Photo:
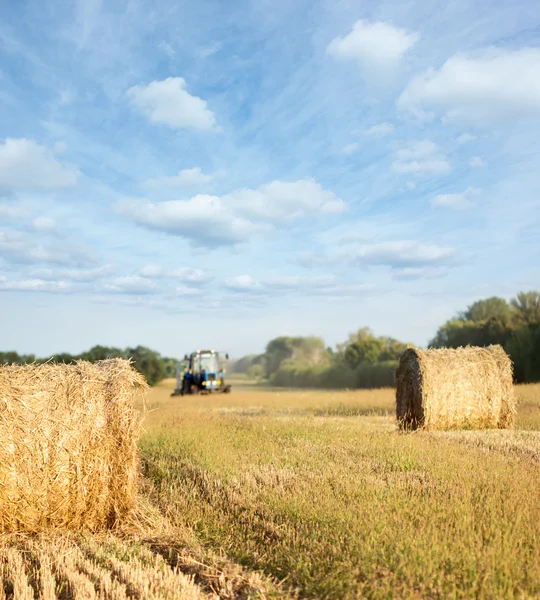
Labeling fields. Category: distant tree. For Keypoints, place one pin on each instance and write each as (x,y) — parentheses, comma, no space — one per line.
(278,350)
(256,372)
(147,362)
(10,358)
(526,306)
(490,308)
(102,353)
(366,351)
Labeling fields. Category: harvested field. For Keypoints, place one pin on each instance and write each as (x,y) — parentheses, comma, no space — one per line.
(314,494)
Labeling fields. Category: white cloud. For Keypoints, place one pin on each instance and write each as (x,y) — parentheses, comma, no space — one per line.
(239,214)
(190,219)
(43,224)
(167,48)
(243,283)
(185,178)
(33,285)
(433,167)
(186,275)
(421,149)
(492,86)
(350,149)
(464,138)
(132,284)
(8,211)
(476,161)
(168,103)
(23,248)
(77,275)
(460,201)
(279,201)
(328,285)
(186,290)
(378,47)
(402,254)
(411,273)
(26,165)
(411,185)
(422,158)
(380,130)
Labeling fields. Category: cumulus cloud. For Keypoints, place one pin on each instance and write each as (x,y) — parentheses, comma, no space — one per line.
(187,291)
(23,248)
(33,285)
(402,254)
(75,275)
(412,273)
(132,284)
(243,283)
(191,219)
(476,161)
(328,285)
(488,87)
(8,211)
(240,214)
(460,201)
(378,47)
(380,130)
(26,165)
(43,224)
(185,178)
(169,103)
(281,202)
(186,275)
(421,157)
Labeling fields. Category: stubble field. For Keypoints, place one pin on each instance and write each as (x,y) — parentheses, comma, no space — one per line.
(308,494)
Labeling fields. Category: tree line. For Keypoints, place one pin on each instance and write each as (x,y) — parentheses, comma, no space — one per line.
(365,360)
(150,363)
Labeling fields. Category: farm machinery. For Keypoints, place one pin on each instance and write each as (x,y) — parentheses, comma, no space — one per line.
(201,373)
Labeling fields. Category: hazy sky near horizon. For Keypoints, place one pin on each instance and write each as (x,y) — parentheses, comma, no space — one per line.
(193,174)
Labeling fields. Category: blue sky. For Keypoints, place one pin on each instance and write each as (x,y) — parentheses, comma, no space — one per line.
(183,174)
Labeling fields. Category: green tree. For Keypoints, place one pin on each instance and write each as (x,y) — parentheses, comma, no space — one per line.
(148,362)
(102,353)
(526,306)
(490,308)
(366,351)
(277,350)
(256,372)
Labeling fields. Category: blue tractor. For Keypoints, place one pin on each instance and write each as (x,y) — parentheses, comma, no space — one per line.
(201,373)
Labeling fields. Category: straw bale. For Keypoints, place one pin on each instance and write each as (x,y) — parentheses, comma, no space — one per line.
(463,388)
(68,445)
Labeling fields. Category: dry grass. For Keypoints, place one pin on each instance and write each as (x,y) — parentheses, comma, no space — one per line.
(68,445)
(320,491)
(455,389)
(83,568)
(266,493)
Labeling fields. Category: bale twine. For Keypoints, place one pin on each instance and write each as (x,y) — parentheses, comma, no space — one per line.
(459,388)
(68,445)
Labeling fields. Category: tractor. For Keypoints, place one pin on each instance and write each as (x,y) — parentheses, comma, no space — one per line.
(201,373)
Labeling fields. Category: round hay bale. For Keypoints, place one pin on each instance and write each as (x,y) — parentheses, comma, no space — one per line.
(68,445)
(461,388)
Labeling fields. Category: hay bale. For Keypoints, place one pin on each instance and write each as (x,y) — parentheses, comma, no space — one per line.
(459,388)
(68,445)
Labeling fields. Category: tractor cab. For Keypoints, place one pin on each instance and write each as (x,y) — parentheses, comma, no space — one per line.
(201,372)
